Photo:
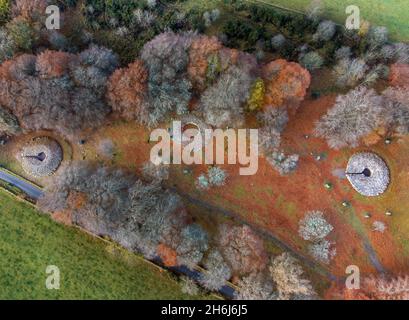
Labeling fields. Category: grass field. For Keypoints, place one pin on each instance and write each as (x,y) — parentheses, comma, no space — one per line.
(393,14)
(90,268)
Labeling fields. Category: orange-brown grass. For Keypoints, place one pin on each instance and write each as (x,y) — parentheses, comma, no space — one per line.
(276,203)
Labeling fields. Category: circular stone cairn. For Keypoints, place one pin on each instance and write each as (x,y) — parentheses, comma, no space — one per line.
(41,157)
(191,122)
(368,174)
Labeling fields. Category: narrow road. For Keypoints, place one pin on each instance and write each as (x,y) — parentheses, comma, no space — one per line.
(36,192)
(28,188)
(265,234)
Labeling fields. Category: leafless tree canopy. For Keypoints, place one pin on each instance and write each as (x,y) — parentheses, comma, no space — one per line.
(56,90)
(353,116)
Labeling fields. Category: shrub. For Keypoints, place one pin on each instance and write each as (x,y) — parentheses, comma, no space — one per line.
(283,163)
(53,64)
(322,251)
(314,227)
(401,52)
(102,58)
(202,182)
(217,176)
(151,3)
(325,31)
(312,60)
(106,148)
(143,18)
(399,75)
(256,99)
(276,118)
(378,226)
(58,41)
(269,139)
(211,16)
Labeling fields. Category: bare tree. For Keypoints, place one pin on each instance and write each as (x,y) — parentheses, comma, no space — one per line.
(274,121)
(353,116)
(169,89)
(255,287)
(153,172)
(223,103)
(217,271)
(397,109)
(193,243)
(287,276)
(242,249)
(56,90)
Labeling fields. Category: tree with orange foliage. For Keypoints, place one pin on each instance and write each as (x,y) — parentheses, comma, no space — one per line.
(53,64)
(126,91)
(29,9)
(286,83)
(202,58)
(168,255)
(399,75)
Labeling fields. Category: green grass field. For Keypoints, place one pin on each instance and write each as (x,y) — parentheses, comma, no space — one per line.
(393,14)
(90,268)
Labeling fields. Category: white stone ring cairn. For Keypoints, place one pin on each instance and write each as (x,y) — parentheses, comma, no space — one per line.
(179,133)
(41,157)
(368,174)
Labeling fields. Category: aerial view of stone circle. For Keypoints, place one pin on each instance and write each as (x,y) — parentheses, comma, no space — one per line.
(218,150)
